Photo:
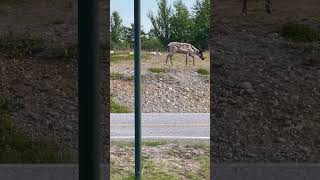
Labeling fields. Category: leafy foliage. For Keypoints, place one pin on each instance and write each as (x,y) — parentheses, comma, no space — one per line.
(115,107)
(201,24)
(162,22)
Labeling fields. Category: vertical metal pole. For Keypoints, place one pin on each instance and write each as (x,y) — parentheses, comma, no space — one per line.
(88,90)
(137,86)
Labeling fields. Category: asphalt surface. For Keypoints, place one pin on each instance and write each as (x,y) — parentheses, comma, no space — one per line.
(162,126)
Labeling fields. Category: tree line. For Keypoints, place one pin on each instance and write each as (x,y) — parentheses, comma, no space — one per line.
(169,23)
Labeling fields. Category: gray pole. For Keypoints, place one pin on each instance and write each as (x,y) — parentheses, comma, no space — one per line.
(137,86)
(89,155)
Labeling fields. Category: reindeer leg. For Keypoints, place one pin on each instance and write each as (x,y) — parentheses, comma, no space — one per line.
(171,59)
(193,60)
(186,59)
(167,58)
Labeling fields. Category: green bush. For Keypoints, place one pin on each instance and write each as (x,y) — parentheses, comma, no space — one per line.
(158,70)
(151,44)
(299,33)
(116,76)
(203,71)
(115,107)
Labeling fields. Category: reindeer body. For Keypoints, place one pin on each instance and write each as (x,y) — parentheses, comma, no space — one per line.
(268,7)
(183,48)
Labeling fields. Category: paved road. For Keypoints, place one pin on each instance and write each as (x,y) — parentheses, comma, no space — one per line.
(162,126)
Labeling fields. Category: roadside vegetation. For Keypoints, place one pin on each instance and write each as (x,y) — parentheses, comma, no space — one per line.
(203,72)
(115,107)
(158,70)
(17,148)
(190,160)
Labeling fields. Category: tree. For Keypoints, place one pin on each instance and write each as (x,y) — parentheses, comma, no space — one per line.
(181,23)
(201,24)
(116,29)
(161,22)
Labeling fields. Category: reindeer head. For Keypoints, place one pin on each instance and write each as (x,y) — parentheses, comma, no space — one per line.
(200,54)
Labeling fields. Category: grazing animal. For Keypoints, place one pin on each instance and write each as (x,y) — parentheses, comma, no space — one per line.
(183,48)
(267,6)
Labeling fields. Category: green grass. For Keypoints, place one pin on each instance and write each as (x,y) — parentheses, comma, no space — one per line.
(157,170)
(205,166)
(299,33)
(153,143)
(17,45)
(117,108)
(116,76)
(118,57)
(203,71)
(17,148)
(158,70)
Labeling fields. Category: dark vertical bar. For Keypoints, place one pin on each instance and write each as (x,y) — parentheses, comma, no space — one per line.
(137,91)
(88,90)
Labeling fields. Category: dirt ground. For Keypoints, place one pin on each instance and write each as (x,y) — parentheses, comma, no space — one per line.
(265,99)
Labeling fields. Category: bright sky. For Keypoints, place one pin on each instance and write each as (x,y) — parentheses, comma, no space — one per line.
(125,9)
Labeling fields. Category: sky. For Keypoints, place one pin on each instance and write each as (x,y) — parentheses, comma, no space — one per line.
(125,9)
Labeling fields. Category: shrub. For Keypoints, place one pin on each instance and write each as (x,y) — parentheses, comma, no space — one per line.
(158,70)
(299,33)
(203,71)
(117,76)
(115,107)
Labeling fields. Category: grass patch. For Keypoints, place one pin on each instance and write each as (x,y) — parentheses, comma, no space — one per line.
(158,70)
(116,76)
(154,143)
(123,144)
(205,166)
(152,171)
(203,71)
(117,57)
(17,45)
(161,169)
(299,33)
(117,108)
(17,148)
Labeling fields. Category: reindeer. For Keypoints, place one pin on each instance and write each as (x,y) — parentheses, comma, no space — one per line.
(267,6)
(183,48)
